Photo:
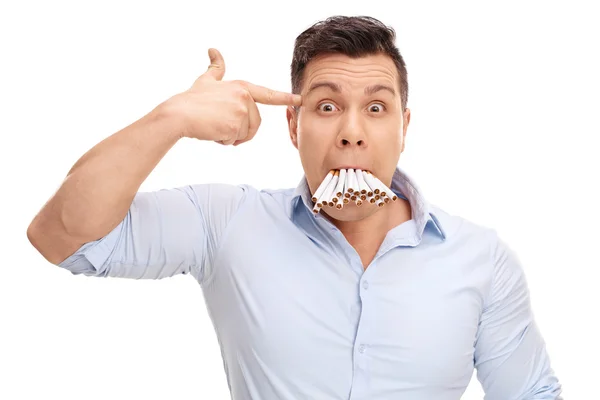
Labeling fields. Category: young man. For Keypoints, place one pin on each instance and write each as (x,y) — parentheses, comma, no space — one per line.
(393,302)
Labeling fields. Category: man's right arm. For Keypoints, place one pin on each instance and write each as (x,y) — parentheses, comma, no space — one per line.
(97,200)
(99,189)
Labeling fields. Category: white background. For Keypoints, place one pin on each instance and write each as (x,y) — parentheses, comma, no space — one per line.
(504,132)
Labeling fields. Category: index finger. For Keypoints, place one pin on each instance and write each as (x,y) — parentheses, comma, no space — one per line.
(264,95)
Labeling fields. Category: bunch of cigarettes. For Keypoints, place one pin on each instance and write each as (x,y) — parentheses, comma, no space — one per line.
(342,186)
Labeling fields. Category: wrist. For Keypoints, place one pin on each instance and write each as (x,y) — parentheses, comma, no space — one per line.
(171,117)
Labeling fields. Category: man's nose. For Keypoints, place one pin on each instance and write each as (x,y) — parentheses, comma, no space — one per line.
(352,134)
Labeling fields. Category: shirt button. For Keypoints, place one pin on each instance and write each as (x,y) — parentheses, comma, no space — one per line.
(362,348)
(365,285)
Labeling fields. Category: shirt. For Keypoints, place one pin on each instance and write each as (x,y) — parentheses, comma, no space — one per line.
(297,316)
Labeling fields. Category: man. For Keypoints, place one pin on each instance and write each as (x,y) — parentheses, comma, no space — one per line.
(397,302)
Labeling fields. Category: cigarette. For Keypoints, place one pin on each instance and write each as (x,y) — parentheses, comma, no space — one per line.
(384,189)
(362,179)
(362,185)
(330,200)
(350,181)
(328,193)
(323,185)
(339,189)
(371,182)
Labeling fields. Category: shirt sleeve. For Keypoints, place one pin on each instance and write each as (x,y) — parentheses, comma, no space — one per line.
(165,233)
(510,353)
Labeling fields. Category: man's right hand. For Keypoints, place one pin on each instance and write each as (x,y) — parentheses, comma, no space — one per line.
(224,111)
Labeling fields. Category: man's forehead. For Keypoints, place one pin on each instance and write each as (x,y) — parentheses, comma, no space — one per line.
(336,87)
(343,70)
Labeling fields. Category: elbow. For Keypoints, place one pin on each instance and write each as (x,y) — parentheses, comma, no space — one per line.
(35,237)
(52,244)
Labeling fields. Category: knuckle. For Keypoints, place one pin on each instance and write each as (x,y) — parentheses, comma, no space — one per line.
(229,129)
(270,95)
(241,110)
(244,94)
(240,84)
(233,128)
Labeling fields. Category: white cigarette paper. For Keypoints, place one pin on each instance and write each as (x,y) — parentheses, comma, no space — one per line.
(374,183)
(366,184)
(385,191)
(348,185)
(362,185)
(371,182)
(331,199)
(328,193)
(347,188)
(323,185)
(339,189)
(372,187)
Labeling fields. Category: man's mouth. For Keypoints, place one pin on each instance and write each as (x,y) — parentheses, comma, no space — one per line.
(351,166)
(343,185)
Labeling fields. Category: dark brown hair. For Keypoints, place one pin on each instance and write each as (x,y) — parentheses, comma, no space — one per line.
(352,36)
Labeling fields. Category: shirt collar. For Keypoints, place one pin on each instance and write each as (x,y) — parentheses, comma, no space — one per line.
(402,184)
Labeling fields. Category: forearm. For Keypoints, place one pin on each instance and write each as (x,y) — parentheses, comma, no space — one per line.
(99,189)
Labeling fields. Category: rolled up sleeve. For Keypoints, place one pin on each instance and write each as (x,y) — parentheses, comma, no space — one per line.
(165,233)
(510,353)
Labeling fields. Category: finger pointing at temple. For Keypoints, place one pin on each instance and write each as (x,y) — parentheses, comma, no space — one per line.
(264,95)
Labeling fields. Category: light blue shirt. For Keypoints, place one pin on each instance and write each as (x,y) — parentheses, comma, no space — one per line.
(298,317)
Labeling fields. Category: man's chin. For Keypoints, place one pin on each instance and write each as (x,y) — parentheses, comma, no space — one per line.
(351,212)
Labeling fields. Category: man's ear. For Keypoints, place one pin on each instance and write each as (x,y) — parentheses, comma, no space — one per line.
(292,118)
(405,123)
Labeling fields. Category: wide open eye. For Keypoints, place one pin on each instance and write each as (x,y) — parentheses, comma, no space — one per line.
(326,107)
(377,107)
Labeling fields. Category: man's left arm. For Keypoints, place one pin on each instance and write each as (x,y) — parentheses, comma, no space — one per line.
(510,353)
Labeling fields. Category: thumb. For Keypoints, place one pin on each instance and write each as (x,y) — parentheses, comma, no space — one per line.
(216,69)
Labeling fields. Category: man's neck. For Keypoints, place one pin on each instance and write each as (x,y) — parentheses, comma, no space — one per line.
(367,234)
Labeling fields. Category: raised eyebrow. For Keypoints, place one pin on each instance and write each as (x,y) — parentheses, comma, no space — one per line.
(332,86)
(370,90)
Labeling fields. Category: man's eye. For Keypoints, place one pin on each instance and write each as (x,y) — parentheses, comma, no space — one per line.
(377,107)
(327,107)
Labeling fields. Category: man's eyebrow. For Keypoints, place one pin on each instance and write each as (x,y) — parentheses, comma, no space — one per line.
(333,86)
(369,90)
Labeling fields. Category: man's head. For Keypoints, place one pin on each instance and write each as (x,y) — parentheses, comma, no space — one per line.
(354,89)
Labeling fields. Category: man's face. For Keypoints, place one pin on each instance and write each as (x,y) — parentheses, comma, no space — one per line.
(341,126)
